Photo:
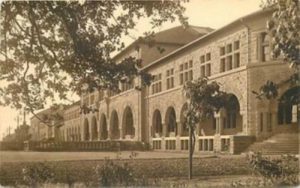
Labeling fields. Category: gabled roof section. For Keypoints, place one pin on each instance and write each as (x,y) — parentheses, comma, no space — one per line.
(180,35)
(60,109)
(177,36)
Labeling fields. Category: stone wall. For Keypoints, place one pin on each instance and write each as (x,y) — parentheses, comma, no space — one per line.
(239,143)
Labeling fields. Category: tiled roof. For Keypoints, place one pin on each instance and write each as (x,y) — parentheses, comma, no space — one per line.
(177,35)
(181,35)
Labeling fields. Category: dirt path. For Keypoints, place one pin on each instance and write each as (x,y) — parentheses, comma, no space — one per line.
(22,156)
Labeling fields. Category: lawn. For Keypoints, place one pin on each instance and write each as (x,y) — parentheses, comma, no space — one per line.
(84,170)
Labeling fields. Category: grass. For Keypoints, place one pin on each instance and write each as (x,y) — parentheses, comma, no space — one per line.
(83,171)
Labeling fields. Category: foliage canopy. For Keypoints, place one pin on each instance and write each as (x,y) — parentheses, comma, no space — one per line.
(284,29)
(45,43)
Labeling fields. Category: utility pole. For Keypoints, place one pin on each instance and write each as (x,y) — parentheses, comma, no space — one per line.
(24,117)
(190,153)
(18,121)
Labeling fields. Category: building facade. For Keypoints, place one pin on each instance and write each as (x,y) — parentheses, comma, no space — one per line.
(71,130)
(47,124)
(237,56)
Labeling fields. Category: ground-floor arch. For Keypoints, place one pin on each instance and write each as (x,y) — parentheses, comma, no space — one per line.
(157,124)
(86,132)
(231,120)
(171,125)
(94,130)
(114,126)
(103,128)
(288,111)
(184,130)
(128,123)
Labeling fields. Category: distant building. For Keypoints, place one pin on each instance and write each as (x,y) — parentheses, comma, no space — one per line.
(45,124)
(71,131)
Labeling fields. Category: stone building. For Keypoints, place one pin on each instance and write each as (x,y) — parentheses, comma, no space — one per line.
(238,56)
(71,130)
(46,124)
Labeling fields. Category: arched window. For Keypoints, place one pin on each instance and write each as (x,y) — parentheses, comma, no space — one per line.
(103,128)
(114,126)
(184,128)
(289,107)
(171,121)
(157,124)
(94,129)
(232,112)
(128,126)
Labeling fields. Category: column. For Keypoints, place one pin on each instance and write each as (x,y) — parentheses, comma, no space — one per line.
(179,128)
(163,142)
(179,131)
(121,133)
(219,129)
(164,131)
(99,133)
(90,129)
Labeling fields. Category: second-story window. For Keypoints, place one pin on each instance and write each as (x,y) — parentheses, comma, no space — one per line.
(170,78)
(205,68)
(265,47)
(230,56)
(127,85)
(156,84)
(186,72)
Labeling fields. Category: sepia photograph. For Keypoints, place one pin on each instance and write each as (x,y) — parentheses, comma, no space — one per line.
(149,93)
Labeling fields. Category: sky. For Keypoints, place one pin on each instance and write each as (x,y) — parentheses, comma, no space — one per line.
(206,13)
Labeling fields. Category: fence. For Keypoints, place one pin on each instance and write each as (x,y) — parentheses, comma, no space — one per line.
(75,146)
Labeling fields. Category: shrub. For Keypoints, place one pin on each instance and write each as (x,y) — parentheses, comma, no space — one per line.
(278,171)
(112,174)
(35,174)
(120,173)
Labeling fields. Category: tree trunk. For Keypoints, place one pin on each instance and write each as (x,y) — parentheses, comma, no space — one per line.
(190,153)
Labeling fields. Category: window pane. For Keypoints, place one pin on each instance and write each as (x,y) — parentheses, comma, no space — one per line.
(186,66)
(265,53)
(181,78)
(168,83)
(237,60)
(190,64)
(186,76)
(202,59)
(208,57)
(222,65)
(222,51)
(229,62)
(202,71)
(208,70)
(190,75)
(159,87)
(236,45)
(229,48)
